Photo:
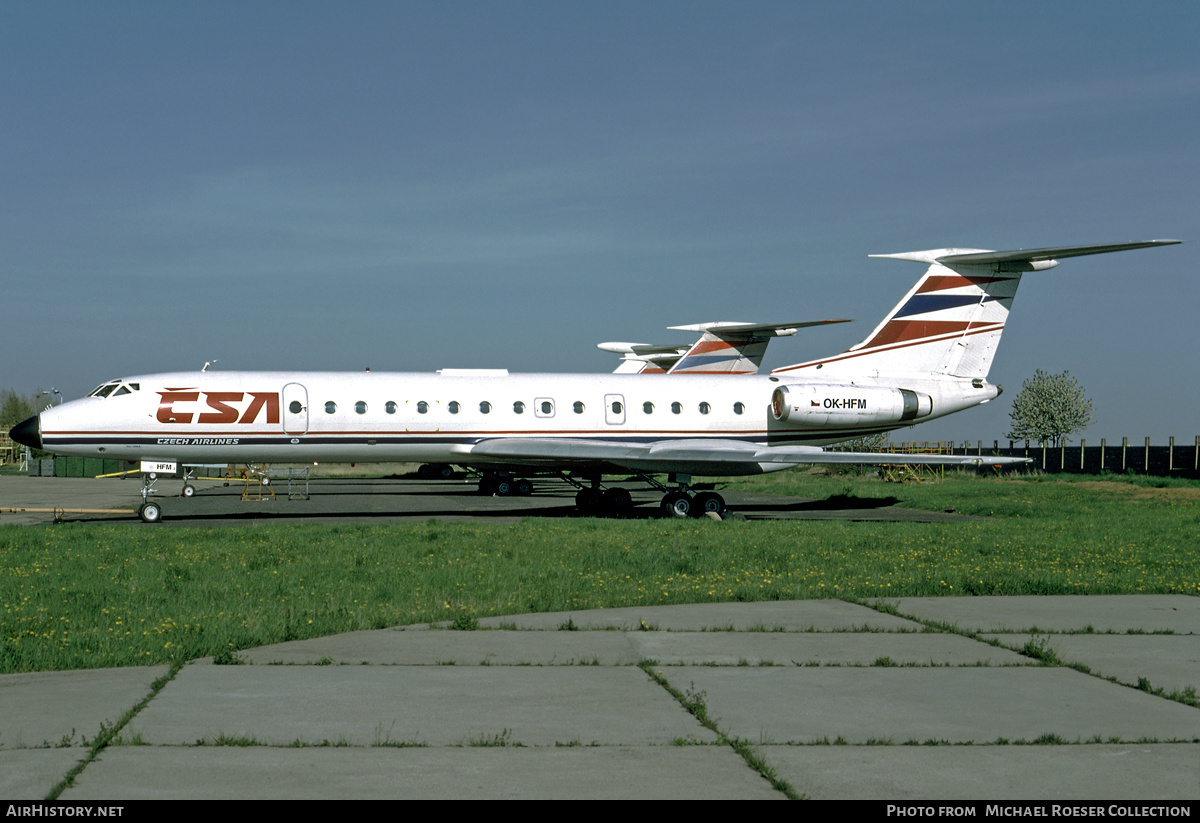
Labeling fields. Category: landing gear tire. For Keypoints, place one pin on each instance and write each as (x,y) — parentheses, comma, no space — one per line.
(617,500)
(189,490)
(589,500)
(487,486)
(504,487)
(677,504)
(522,488)
(435,471)
(706,502)
(150,513)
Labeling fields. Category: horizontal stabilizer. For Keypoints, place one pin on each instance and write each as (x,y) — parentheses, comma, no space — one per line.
(727,329)
(1019,259)
(641,348)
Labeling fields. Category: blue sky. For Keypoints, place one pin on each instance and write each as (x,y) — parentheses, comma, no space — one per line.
(418,185)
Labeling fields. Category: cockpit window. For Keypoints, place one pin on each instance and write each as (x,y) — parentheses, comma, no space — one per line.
(105,390)
(115,388)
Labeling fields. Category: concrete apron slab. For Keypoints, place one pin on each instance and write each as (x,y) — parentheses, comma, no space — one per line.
(460,648)
(41,709)
(608,772)
(955,705)
(818,649)
(781,615)
(416,705)
(1178,613)
(1167,662)
(609,648)
(1128,771)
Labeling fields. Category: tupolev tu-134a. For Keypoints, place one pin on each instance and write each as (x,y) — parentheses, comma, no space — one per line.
(929,357)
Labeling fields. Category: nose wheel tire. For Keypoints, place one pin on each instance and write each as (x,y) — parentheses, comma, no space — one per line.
(150,513)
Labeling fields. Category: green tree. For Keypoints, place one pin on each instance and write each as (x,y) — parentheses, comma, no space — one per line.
(14,407)
(1048,408)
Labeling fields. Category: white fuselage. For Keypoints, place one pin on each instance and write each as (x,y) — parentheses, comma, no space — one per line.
(243,417)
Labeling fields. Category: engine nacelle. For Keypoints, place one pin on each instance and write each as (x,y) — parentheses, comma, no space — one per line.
(820,404)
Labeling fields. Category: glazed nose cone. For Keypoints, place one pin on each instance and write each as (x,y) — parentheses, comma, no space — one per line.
(28,432)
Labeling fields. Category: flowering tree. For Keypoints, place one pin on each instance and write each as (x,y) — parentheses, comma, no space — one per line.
(1048,408)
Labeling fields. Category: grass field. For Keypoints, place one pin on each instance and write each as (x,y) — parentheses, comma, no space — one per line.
(84,596)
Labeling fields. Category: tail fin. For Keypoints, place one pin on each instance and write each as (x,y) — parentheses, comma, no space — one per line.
(950,322)
(733,348)
(644,358)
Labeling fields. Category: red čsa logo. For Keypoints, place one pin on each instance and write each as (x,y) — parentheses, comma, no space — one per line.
(223,406)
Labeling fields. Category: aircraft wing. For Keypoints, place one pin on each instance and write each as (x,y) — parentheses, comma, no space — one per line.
(694,455)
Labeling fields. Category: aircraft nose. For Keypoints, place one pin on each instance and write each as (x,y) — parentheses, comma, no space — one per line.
(28,432)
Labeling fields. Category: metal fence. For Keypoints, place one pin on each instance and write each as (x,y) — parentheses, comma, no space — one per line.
(1172,460)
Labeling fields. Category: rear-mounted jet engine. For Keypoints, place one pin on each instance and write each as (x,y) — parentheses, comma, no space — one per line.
(825,404)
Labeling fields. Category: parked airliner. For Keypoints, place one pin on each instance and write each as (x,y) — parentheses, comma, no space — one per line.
(929,357)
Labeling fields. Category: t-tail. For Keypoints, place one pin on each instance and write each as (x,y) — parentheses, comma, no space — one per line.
(949,324)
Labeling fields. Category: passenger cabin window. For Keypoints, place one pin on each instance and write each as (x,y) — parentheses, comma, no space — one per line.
(330,407)
(519,407)
(648,407)
(617,407)
(705,408)
(453,407)
(295,407)
(738,408)
(547,407)
(390,407)
(360,407)
(676,407)
(485,407)
(422,407)
(578,407)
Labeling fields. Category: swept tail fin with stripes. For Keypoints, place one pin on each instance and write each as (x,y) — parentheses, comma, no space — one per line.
(949,324)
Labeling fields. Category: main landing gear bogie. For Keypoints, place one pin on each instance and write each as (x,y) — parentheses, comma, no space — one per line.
(595,500)
(683,504)
(505,486)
